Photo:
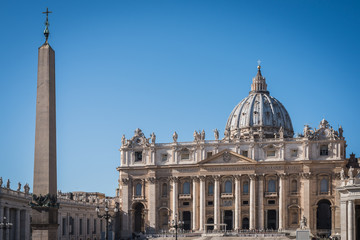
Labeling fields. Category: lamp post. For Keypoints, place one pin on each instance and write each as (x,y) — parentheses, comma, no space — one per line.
(176,224)
(107,216)
(5,224)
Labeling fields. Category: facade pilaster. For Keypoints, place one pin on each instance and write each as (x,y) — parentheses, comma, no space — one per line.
(126,201)
(7,215)
(152,201)
(305,196)
(351,222)
(237,202)
(343,219)
(202,203)
(261,202)
(174,182)
(281,200)
(195,181)
(216,201)
(252,202)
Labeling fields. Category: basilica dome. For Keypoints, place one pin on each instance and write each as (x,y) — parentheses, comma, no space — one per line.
(259,115)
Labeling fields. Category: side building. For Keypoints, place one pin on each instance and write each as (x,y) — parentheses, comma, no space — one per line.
(77,216)
(257,177)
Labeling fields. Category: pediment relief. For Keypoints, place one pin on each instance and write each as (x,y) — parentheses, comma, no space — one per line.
(227,157)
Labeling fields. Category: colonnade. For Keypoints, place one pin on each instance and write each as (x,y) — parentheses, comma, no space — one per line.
(20,219)
(348,220)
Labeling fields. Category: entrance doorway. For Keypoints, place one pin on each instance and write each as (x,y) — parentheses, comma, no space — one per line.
(323,218)
(271,219)
(187,220)
(357,221)
(228,219)
(245,223)
(139,218)
(210,221)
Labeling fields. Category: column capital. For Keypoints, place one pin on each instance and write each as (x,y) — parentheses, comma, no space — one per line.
(237,176)
(202,178)
(216,177)
(252,176)
(174,179)
(305,175)
(282,175)
(125,181)
(195,178)
(152,180)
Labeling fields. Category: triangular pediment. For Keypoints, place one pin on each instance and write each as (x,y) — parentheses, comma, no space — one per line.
(227,156)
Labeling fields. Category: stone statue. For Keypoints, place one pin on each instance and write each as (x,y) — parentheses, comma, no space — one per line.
(306,131)
(195,135)
(26,188)
(303,222)
(123,140)
(281,132)
(341,132)
(153,137)
(175,136)
(1,182)
(8,184)
(202,137)
(227,133)
(342,174)
(350,172)
(19,187)
(216,134)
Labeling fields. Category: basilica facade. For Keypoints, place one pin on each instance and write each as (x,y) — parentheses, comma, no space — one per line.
(258,176)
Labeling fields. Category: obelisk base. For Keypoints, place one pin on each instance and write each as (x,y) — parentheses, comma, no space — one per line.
(44,223)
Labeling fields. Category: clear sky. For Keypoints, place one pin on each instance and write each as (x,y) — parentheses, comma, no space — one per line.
(165,66)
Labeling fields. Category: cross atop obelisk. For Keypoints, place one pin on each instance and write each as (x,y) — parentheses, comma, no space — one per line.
(47,24)
(45,214)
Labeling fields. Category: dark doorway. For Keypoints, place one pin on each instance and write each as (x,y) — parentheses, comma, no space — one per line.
(210,221)
(228,219)
(271,219)
(323,218)
(245,223)
(357,221)
(187,220)
(139,217)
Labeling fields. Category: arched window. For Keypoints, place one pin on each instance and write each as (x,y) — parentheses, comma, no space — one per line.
(228,186)
(271,186)
(186,188)
(164,190)
(246,187)
(211,189)
(324,186)
(293,186)
(138,189)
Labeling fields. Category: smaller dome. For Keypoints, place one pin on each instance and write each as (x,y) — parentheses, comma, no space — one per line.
(259,114)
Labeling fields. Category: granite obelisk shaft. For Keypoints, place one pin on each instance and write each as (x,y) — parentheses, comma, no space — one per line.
(44,220)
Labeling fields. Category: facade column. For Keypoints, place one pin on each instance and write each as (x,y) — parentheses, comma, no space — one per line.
(202,215)
(152,202)
(237,202)
(252,202)
(351,222)
(305,197)
(281,200)
(7,231)
(174,181)
(194,205)
(261,202)
(1,219)
(17,224)
(216,201)
(126,208)
(343,219)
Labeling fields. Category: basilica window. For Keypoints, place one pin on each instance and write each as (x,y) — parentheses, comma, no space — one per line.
(164,190)
(138,156)
(245,153)
(228,186)
(80,226)
(324,150)
(324,186)
(293,186)
(270,153)
(186,188)
(64,226)
(164,157)
(209,154)
(271,186)
(185,154)
(138,189)
(294,152)
(246,187)
(211,189)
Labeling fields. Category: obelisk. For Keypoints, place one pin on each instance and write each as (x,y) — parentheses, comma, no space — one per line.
(44,202)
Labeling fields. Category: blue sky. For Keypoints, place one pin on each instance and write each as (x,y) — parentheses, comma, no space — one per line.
(166,66)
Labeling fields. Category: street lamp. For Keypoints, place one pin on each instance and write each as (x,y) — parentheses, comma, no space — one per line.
(176,224)
(107,216)
(5,224)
